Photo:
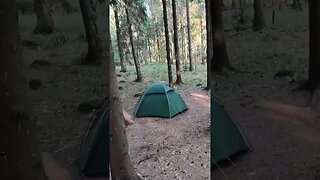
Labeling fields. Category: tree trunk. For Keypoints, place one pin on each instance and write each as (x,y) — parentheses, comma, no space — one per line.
(220,57)
(95,50)
(258,21)
(67,7)
(176,42)
(314,44)
(166,30)
(121,164)
(149,50)
(136,62)
(122,61)
(233,4)
(127,58)
(158,45)
(209,41)
(45,24)
(20,149)
(189,36)
(201,40)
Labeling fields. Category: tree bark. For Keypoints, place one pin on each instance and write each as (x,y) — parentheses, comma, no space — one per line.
(121,164)
(122,61)
(136,62)
(166,30)
(189,36)
(20,156)
(45,24)
(258,20)
(176,42)
(67,7)
(209,41)
(220,57)
(314,44)
(95,50)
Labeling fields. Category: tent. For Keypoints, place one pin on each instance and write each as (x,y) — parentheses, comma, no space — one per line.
(159,100)
(226,138)
(94,153)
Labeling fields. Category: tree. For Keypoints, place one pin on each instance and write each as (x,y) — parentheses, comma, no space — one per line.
(258,20)
(220,57)
(314,44)
(121,165)
(95,49)
(189,36)
(136,62)
(166,30)
(176,42)
(20,149)
(122,61)
(209,40)
(45,24)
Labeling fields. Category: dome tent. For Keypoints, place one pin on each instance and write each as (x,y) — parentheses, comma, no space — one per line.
(159,100)
(226,138)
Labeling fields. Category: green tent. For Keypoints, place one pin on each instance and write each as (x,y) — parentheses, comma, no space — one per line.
(159,100)
(94,153)
(226,138)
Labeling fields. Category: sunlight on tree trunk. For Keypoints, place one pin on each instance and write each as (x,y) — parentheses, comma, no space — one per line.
(20,149)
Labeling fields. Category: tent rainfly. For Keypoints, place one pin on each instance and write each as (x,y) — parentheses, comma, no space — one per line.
(226,138)
(159,100)
(94,154)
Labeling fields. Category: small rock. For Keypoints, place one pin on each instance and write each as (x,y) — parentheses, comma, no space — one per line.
(90,105)
(35,84)
(128,119)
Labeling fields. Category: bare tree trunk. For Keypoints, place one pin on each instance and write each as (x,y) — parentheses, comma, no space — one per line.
(158,45)
(201,40)
(258,20)
(209,41)
(122,61)
(166,30)
(67,7)
(136,61)
(314,59)
(189,36)
(233,4)
(45,24)
(176,42)
(95,50)
(220,57)
(20,148)
(121,165)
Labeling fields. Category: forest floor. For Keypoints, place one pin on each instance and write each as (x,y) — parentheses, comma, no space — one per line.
(280,125)
(284,139)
